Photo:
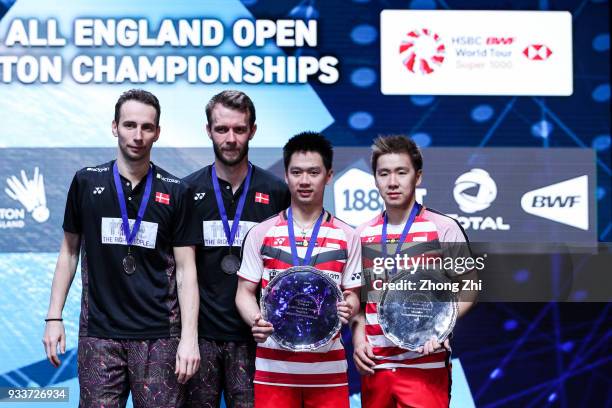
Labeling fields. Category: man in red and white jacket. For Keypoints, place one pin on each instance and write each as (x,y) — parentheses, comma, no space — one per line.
(393,376)
(286,378)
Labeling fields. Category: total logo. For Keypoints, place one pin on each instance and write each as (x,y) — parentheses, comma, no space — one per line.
(30,193)
(422,51)
(475,191)
(566,202)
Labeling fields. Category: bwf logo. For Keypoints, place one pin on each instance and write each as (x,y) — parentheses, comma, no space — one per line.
(555,201)
(566,202)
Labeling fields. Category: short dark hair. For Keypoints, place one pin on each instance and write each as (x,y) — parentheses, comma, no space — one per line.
(232,99)
(139,95)
(396,144)
(309,142)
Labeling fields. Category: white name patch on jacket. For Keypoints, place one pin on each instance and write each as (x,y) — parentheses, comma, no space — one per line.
(112,233)
(214,234)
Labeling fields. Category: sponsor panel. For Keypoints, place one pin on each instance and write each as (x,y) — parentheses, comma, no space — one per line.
(549,197)
(491,197)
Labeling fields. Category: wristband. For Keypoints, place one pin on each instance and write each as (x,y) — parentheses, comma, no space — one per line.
(54,320)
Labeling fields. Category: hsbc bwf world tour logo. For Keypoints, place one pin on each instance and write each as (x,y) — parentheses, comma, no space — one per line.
(422,51)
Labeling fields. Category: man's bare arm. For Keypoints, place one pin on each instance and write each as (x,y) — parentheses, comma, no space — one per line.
(246,302)
(65,269)
(188,353)
(362,355)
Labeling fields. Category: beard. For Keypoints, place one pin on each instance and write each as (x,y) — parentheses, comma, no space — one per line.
(230,162)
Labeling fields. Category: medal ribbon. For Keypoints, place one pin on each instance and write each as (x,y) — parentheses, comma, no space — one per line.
(125,224)
(311,244)
(415,210)
(231,234)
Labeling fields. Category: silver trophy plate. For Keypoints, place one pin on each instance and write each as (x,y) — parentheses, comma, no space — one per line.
(410,317)
(301,304)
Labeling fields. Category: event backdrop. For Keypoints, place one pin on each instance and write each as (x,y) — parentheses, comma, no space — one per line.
(511,107)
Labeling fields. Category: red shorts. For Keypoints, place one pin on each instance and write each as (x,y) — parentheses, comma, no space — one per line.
(275,396)
(406,387)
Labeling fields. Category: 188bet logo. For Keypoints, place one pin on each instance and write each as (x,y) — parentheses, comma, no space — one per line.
(356,199)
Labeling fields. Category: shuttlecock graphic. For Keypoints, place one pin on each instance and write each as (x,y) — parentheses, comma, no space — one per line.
(30,193)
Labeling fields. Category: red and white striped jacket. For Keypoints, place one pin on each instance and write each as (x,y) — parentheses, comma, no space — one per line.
(266,252)
(427,231)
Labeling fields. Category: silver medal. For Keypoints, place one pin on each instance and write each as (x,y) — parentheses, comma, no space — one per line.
(230,264)
(129,264)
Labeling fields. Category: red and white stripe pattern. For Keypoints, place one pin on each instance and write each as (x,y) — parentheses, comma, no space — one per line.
(388,355)
(327,366)
(427,226)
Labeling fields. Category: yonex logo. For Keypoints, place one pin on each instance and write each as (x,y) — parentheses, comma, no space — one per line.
(486,191)
(422,51)
(199,196)
(537,52)
(98,190)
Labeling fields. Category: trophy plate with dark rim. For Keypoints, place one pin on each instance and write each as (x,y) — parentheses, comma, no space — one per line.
(411,317)
(301,304)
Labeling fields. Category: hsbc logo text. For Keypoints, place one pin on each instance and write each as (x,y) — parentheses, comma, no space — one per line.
(566,202)
(471,40)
